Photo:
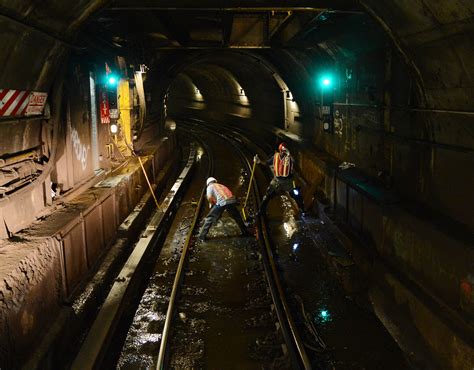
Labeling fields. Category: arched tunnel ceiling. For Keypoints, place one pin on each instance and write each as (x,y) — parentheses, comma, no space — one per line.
(420,28)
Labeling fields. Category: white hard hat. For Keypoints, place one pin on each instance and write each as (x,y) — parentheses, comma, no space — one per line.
(209,180)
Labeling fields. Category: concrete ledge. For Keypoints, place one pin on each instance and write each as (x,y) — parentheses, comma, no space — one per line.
(43,267)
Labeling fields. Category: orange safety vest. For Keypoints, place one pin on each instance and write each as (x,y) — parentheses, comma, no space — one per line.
(281,166)
(219,193)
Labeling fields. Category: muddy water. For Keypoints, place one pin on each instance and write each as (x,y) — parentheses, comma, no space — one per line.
(355,338)
(224,318)
(225,304)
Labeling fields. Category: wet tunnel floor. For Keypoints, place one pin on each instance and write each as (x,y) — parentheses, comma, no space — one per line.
(355,338)
(223,304)
(218,333)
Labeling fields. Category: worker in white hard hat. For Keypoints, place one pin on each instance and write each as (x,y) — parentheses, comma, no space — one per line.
(281,163)
(220,199)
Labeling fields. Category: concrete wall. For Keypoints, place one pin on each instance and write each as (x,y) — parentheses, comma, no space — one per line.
(420,278)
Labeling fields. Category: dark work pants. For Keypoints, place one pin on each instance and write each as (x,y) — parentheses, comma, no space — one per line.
(215,214)
(278,186)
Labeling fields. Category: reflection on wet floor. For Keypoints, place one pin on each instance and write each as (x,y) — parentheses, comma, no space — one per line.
(224,317)
(314,263)
(234,309)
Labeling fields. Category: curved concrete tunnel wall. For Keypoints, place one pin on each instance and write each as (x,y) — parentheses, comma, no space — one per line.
(232,92)
(212,89)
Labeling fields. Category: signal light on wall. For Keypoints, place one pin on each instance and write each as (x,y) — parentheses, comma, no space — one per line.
(325,81)
(111,79)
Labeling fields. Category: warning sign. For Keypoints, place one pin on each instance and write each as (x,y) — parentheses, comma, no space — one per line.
(36,103)
(104,106)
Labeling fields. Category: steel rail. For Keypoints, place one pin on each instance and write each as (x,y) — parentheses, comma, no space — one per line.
(285,317)
(161,361)
(278,294)
(100,334)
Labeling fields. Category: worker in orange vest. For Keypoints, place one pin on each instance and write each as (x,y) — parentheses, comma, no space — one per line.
(220,199)
(282,166)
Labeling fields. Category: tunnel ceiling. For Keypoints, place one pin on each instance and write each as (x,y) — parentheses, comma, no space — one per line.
(163,25)
(419,29)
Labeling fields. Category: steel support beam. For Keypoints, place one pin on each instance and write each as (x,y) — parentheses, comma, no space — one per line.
(275,9)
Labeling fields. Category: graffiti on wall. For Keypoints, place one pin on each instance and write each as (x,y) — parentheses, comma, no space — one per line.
(80,150)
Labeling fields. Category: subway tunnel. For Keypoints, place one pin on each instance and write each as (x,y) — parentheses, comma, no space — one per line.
(113,115)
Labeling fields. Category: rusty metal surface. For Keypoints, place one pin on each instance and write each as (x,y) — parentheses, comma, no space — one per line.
(94,234)
(74,256)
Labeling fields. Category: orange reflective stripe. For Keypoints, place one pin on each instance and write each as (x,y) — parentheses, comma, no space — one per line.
(281,166)
(275,164)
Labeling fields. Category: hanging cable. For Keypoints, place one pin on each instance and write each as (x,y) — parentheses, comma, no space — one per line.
(149,184)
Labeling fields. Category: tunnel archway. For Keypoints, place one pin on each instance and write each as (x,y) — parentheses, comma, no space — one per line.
(249,81)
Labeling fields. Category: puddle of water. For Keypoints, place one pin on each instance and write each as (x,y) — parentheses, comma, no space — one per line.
(355,337)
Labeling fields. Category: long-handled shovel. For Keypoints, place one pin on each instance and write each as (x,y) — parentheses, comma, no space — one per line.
(248,191)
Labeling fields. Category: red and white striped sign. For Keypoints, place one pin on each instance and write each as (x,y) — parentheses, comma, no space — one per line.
(104,107)
(21,102)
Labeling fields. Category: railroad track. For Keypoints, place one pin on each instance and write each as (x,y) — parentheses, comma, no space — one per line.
(293,344)
(194,313)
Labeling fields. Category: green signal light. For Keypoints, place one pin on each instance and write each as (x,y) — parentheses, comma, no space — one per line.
(325,81)
(111,80)
(323,316)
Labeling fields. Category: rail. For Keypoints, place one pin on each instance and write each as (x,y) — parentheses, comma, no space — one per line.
(103,328)
(160,363)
